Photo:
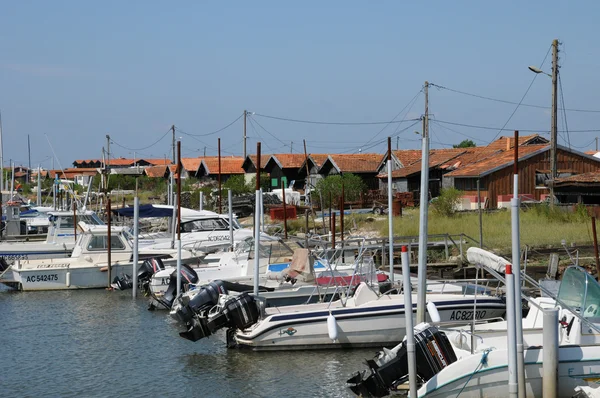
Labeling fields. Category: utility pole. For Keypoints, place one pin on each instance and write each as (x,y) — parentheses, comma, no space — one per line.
(398,143)
(291,146)
(553,124)
(423,208)
(245,115)
(596,144)
(173,143)
(204,151)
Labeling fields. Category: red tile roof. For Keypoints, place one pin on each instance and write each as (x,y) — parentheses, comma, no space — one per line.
(156,162)
(356,163)
(493,160)
(502,143)
(407,156)
(289,160)
(437,157)
(155,171)
(191,165)
(229,165)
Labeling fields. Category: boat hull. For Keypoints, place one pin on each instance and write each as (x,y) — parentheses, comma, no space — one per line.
(375,324)
(578,365)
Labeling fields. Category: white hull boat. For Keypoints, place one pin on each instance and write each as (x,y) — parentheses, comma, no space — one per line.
(453,368)
(88,265)
(59,242)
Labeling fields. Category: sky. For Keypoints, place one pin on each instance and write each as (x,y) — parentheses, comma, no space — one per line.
(72,72)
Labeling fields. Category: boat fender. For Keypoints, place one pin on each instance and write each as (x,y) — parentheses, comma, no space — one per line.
(433,312)
(68,279)
(332,327)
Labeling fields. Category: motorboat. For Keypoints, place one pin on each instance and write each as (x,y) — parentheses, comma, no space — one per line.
(59,242)
(199,228)
(473,362)
(88,266)
(362,319)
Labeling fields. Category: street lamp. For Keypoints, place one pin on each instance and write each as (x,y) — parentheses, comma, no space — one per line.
(553,120)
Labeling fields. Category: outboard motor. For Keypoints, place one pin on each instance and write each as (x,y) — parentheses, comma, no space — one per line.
(205,298)
(433,353)
(148,268)
(188,276)
(237,312)
(122,282)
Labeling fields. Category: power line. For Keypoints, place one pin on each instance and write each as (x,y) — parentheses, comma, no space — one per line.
(258,134)
(458,132)
(411,103)
(562,100)
(267,131)
(333,123)
(510,102)
(211,133)
(140,149)
(541,131)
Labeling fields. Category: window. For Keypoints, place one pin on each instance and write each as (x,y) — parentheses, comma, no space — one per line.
(274,182)
(284,181)
(468,184)
(100,242)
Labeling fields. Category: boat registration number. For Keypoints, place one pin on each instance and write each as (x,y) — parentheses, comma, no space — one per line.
(42,278)
(216,238)
(459,315)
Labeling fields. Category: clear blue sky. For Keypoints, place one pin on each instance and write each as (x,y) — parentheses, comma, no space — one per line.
(73,71)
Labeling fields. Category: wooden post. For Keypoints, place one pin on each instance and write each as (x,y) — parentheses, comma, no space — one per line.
(596,248)
(342,206)
(285,232)
(306,231)
(179,170)
(333,231)
(109,240)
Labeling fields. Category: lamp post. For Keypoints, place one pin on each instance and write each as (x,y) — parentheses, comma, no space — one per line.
(553,120)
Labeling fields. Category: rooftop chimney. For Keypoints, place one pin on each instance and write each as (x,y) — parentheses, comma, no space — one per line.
(508,143)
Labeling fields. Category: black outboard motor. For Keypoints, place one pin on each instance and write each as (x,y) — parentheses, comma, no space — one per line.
(206,298)
(148,268)
(188,276)
(433,353)
(238,312)
(122,282)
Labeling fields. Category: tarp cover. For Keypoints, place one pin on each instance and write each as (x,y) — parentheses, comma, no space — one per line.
(479,256)
(145,211)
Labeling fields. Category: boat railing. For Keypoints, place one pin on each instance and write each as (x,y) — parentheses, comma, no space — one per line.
(481,286)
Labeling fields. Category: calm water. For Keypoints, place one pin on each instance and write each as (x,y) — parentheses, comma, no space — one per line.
(98,343)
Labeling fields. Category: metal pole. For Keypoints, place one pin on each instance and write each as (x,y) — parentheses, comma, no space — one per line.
(262,211)
(480,216)
(109,238)
(515,204)
(12,180)
(595,236)
(201,205)
(245,115)
(513,388)
(179,170)
(390,205)
(553,124)
(75,221)
(550,353)
(39,188)
(332,219)
(219,177)
(408,320)
(423,208)
(285,232)
(342,207)
(136,238)
(173,141)
(257,222)
(230,205)
(306,232)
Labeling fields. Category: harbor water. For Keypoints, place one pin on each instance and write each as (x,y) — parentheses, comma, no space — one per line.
(98,343)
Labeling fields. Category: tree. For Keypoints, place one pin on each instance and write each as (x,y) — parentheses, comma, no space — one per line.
(237,184)
(465,144)
(353,187)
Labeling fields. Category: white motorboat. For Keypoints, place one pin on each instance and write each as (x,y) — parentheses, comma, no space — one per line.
(202,229)
(88,265)
(474,363)
(59,242)
(367,318)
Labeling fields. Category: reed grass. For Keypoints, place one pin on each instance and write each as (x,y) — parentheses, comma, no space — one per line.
(540,226)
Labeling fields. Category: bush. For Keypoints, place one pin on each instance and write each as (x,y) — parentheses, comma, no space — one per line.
(332,185)
(445,205)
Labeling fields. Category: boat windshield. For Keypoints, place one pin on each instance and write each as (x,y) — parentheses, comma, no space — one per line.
(580,290)
(209,224)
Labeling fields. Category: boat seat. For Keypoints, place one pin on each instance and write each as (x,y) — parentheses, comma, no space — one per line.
(364,294)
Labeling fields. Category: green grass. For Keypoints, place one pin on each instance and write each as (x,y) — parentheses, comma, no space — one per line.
(539,227)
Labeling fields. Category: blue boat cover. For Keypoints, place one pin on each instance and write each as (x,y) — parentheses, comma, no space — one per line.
(145,211)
